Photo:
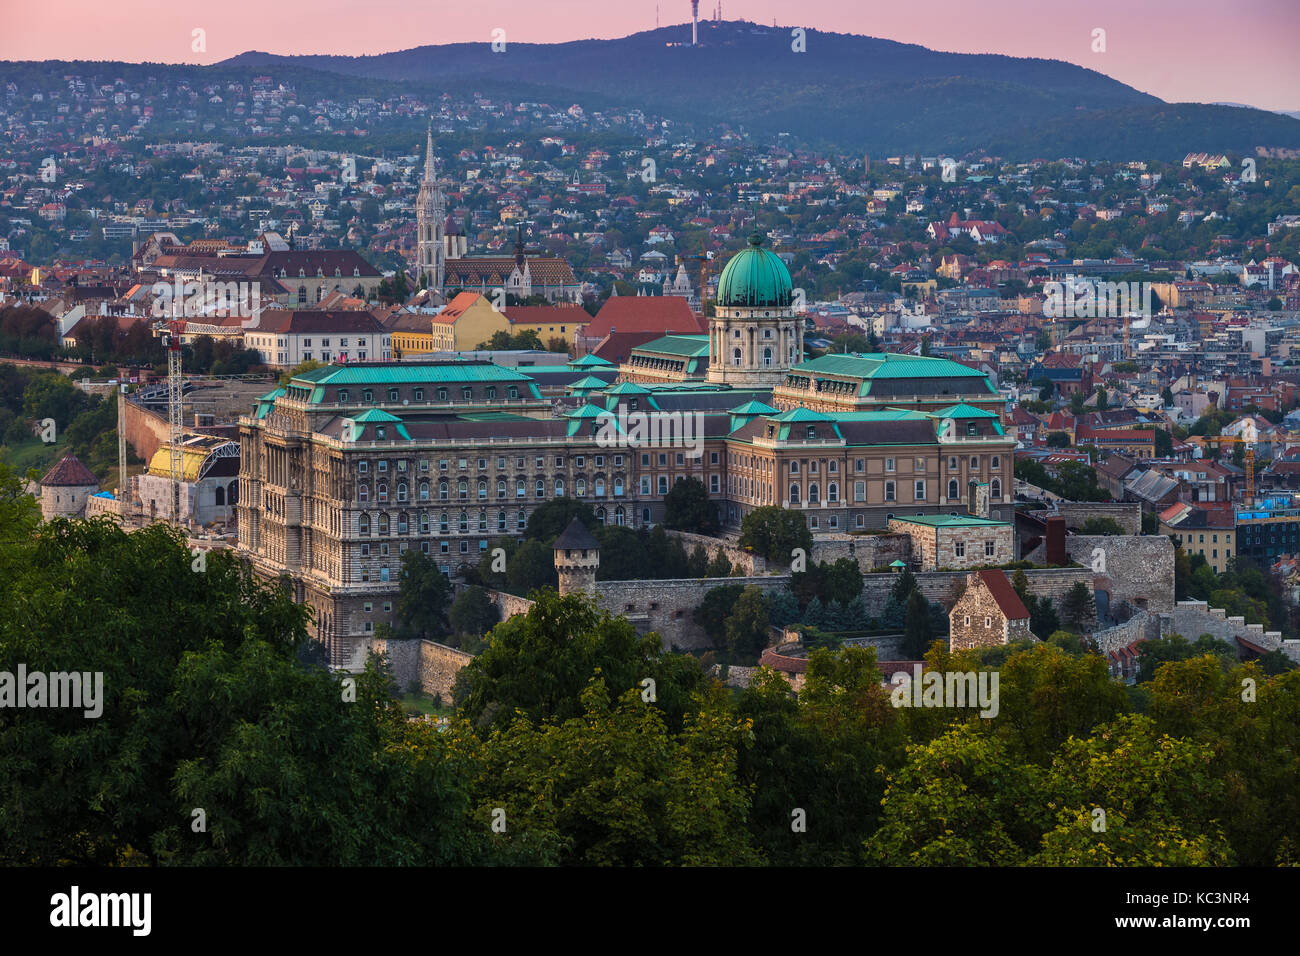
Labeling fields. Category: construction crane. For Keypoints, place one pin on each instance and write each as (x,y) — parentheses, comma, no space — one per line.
(175,325)
(703,258)
(1248,437)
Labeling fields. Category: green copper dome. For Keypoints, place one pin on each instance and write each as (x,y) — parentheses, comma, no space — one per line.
(755,277)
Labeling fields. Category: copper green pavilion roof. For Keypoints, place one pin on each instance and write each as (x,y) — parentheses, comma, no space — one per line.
(755,277)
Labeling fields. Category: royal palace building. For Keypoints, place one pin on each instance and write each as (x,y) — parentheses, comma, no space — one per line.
(347,467)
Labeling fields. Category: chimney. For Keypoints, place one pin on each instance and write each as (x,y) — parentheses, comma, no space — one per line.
(1056,540)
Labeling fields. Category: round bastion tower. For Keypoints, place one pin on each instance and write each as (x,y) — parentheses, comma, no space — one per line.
(577,556)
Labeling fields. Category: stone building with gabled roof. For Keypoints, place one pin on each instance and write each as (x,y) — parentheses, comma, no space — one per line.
(988,613)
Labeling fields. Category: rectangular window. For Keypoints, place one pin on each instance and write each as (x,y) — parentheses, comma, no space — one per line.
(959,549)
(859,491)
(988,549)
(889,491)
(889,464)
(920,490)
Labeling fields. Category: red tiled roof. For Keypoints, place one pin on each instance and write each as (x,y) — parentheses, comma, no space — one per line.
(69,470)
(651,313)
(1004,594)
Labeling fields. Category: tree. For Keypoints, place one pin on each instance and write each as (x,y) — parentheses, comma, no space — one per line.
(697,565)
(711,613)
(719,566)
(299,369)
(1045,388)
(1167,396)
(774,532)
(622,553)
(424,594)
(615,785)
(532,566)
(916,627)
(552,517)
(903,587)
(1078,607)
(747,624)
(687,507)
(473,614)
(538,663)
(204,704)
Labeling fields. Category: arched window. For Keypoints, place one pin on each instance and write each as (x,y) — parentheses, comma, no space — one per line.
(464,521)
(232,493)
(995,488)
(482,489)
(383,522)
(521,519)
(442,522)
(541,487)
(424,491)
(424,524)
(401,491)
(794,468)
(813,494)
(462,488)
(580,487)
(521,488)
(383,491)
(996,463)
(735,356)
(794,493)
(952,489)
(501,488)
(221,495)
(767,358)
(619,515)
(363,525)
(442,490)
(832,492)
(402,524)
(363,493)
(501,521)
(559,487)
(482,520)
(600,488)
(618,488)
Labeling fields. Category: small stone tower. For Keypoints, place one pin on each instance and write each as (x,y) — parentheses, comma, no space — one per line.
(577,556)
(65,488)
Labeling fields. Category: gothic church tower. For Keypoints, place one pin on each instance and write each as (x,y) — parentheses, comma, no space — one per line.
(430,220)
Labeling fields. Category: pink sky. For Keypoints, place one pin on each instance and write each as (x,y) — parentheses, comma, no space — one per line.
(1179,50)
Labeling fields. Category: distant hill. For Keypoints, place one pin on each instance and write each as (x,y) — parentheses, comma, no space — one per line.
(847,92)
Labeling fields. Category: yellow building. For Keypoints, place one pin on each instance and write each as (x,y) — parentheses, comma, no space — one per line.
(1208,532)
(468,321)
(412,333)
(548,321)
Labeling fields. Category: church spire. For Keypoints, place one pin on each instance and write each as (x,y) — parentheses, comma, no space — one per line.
(429,172)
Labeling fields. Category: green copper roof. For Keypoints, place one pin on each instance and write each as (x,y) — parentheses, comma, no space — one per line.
(588,361)
(375,415)
(886,365)
(588,411)
(802,415)
(752,407)
(627,388)
(755,277)
(680,345)
(588,382)
(371,373)
(964,411)
(951,521)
